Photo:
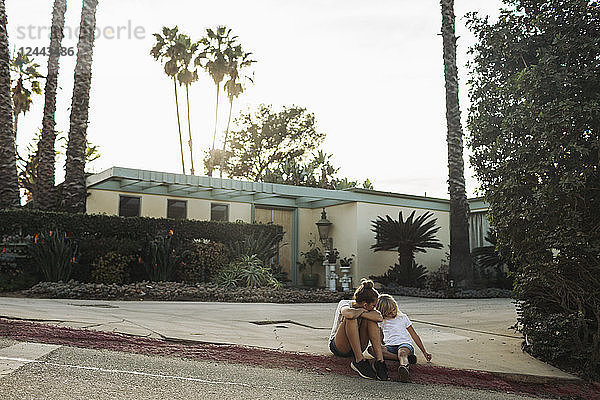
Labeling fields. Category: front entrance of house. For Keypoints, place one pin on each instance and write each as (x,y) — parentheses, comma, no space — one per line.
(283,217)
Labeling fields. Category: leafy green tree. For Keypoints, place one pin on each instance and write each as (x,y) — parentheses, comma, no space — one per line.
(461,269)
(535,136)
(265,140)
(44,192)
(406,236)
(168,50)
(9,189)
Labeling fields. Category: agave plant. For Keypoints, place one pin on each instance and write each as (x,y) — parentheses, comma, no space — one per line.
(407,237)
(54,255)
(247,271)
(412,275)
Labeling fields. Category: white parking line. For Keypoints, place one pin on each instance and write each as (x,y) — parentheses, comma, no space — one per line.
(23,361)
(15,356)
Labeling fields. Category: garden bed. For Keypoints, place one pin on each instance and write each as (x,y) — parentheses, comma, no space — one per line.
(176,291)
(448,294)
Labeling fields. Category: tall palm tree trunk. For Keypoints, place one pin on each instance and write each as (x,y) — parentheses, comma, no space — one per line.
(461,270)
(187,98)
(210,168)
(179,125)
(44,195)
(74,191)
(226,137)
(9,186)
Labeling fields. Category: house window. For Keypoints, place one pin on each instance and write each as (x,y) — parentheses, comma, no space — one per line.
(176,209)
(219,212)
(129,206)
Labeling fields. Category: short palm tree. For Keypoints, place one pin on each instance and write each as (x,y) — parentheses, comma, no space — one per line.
(407,237)
(9,188)
(168,50)
(213,58)
(27,83)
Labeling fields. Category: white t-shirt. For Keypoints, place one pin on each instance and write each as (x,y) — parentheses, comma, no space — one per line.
(338,318)
(395,330)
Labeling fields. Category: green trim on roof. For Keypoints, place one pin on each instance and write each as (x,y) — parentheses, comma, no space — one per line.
(257,193)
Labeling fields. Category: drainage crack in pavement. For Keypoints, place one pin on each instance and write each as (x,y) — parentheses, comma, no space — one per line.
(287,321)
(467,329)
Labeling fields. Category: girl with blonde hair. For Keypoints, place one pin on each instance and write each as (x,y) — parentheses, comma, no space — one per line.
(354,325)
(398,335)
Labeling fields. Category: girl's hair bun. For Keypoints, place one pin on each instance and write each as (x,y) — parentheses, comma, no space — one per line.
(366,283)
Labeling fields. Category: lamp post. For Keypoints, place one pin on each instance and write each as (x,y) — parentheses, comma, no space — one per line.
(324,225)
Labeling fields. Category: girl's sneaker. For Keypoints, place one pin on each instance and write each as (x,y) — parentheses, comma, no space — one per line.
(364,369)
(403,372)
(381,370)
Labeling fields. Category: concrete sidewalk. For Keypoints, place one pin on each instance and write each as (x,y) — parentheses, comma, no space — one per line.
(464,333)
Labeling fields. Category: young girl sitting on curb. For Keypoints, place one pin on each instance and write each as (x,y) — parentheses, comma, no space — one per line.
(354,325)
(397,333)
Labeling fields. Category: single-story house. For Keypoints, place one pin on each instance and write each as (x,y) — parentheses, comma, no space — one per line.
(132,192)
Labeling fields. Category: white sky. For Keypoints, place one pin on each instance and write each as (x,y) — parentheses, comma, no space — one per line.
(371,71)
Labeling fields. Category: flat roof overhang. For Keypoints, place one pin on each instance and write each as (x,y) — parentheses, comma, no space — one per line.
(258,193)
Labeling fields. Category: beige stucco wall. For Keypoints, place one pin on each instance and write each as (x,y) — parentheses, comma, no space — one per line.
(377,263)
(107,202)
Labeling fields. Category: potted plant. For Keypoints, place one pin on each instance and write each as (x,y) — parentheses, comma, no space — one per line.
(312,257)
(333,256)
(346,261)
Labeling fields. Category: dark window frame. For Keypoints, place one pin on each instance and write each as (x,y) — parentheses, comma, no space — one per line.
(181,201)
(226,212)
(139,213)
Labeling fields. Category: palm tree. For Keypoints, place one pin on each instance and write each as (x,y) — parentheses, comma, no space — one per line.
(461,269)
(9,188)
(187,77)
(168,49)
(407,237)
(74,190)
(44,193)
(217,44)
(27,84)
(238,60)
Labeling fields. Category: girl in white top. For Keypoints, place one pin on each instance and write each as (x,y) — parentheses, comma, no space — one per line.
(398,335)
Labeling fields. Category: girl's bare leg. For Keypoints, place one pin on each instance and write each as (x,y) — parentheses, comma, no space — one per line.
(403,353)
(348,338)
(374,336)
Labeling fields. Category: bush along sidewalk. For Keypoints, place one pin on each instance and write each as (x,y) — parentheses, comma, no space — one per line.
(178,291)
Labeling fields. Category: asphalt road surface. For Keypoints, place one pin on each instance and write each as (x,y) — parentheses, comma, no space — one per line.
(36,371)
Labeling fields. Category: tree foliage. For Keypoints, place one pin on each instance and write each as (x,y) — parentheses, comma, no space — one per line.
(264,140)
(535,136)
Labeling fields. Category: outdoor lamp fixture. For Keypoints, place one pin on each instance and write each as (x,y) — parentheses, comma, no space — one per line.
(323,225)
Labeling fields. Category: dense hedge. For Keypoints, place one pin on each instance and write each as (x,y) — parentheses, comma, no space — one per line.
(78,225)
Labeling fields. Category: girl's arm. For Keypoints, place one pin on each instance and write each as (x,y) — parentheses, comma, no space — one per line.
(373,316)
(352,313)
(418,342)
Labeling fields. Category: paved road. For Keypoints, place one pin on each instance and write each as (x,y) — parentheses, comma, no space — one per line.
(74,373)
(460,333)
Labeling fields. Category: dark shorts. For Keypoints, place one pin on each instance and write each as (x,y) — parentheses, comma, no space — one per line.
(394,348)
(338,353)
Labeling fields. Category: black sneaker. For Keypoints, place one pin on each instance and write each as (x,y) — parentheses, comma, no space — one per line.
(381,371)
(364,369)
(412,359)
(403,373)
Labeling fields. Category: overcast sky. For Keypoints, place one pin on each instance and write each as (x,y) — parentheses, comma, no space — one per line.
(371,71)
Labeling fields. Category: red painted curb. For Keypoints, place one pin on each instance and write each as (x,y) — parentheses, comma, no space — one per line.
(422,374)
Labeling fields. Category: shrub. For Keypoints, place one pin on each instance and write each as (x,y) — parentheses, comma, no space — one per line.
(112,268)
(438,280)
(265,245)
(160,259)
(91,248)
(413,275)
(54,255)
(202,260)
(247,271)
